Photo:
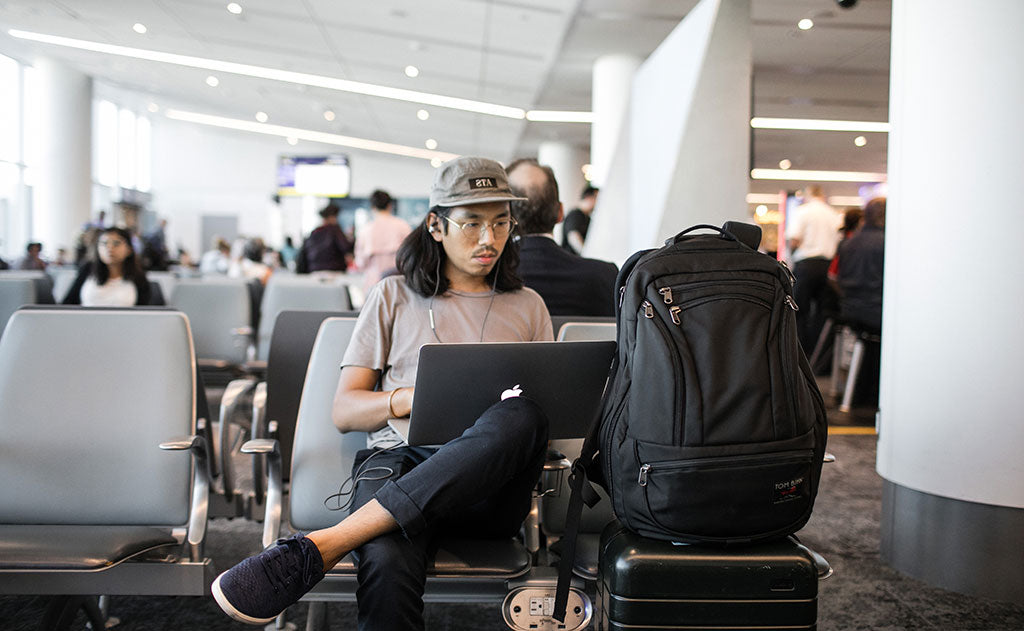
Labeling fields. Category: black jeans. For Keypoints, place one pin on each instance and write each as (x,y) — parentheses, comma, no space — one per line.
(479,484)
(815,297)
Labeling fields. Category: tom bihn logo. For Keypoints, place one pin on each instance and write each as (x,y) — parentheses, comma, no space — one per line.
(787,490)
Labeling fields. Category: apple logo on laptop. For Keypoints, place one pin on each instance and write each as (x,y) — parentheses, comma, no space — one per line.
(514,391)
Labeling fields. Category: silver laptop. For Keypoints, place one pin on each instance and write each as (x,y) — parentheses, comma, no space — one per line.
(455,383)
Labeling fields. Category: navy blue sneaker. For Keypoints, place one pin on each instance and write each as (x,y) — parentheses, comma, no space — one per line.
(259,588)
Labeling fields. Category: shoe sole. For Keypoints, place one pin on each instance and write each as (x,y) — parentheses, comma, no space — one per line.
(229,609)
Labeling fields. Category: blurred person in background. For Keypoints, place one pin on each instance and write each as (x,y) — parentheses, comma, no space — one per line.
(326,248)
(216,260)
(378,240)
(33,259)
(112,277)
(577,221)
(812,235)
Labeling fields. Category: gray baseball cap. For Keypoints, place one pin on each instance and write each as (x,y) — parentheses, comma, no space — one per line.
(467,180)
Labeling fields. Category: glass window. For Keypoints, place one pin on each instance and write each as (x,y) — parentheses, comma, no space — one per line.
(126,149)
(10,110)
(105,144)
(143,165)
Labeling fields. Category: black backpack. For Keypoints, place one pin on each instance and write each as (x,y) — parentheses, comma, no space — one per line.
(712,428)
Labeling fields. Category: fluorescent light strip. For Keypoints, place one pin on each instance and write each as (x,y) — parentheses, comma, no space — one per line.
(260,72)
(811,124)
(307,134)
(553,116)
(816,176)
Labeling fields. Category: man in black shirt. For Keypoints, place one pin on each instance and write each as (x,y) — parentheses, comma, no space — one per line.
(577,222)
(569,284)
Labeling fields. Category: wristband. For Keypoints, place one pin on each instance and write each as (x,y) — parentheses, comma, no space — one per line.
(391,398)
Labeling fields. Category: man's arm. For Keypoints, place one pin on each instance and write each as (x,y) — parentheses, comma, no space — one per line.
(357,407)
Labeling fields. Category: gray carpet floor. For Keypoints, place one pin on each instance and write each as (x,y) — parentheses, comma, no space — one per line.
(863,594)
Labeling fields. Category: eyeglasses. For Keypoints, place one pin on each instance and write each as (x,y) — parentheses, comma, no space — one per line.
(112,243)
(473,229)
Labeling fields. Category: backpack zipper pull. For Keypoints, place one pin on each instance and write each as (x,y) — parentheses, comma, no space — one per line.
(642,480)
(674,312)
(666,294)
(648,309)
(792,303)
(789,272)
(622,294)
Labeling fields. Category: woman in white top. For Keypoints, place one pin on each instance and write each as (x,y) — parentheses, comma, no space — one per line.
(112,277)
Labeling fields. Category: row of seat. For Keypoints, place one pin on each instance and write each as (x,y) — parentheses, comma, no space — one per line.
(97,510)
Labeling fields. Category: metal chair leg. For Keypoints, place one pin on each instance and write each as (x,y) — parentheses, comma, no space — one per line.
(837,363)
(819,348)
(851,377)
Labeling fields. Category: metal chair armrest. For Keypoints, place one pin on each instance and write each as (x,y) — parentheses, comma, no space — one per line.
(200,506)
(270,449)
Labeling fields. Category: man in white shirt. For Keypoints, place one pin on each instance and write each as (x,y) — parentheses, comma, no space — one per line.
(813,234)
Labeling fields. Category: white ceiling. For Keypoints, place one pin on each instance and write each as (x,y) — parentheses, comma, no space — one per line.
(533,54)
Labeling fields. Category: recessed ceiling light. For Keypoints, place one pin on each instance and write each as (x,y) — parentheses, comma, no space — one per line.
(431,143)
(805,24)
(262,117)
(412,71)
(860,141)
(785,164)
(422,115)
(292,140)
(328,115)
(153,108)
(761,210)
(436,162)
(139,28)
(235,8)
(212,81)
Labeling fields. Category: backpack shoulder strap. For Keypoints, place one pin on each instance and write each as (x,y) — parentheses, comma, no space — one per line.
(581,491)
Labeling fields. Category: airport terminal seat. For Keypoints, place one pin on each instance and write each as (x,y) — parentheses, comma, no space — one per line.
(91,506)
(14,293)
(463,570)
(558,321)
(275,404)
(320,292)
(220,312)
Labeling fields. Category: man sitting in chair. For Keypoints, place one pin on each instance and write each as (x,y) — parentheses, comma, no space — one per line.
(458,283)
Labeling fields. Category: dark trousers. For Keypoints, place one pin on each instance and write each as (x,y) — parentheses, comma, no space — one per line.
(815,297)
(479,484)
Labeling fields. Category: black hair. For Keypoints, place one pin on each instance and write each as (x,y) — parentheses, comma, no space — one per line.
(589,191)
(874,213)
(539,213)
(380,200)
(130,268)
(330,210)
(420,257)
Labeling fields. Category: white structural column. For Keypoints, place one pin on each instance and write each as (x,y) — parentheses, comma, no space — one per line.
(951,425)
(567,162)
(63,135)
(610,94)
(682,156)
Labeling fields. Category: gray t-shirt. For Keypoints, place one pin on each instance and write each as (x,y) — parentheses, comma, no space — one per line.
(394,323)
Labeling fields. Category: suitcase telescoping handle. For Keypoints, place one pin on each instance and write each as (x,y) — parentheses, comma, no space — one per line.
(745,233)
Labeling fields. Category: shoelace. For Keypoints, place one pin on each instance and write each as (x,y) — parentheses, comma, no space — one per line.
(285,564)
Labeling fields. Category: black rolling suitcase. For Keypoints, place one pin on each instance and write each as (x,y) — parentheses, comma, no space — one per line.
(651,584)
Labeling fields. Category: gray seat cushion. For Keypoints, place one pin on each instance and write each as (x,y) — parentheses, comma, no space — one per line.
(25,547)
